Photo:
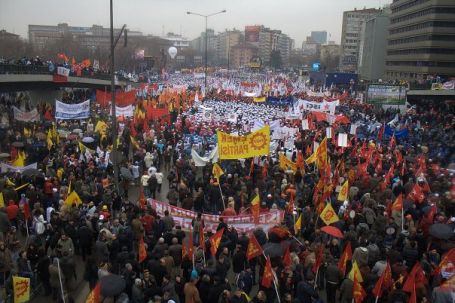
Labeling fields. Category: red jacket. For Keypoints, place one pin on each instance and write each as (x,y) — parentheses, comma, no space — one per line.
(11,210)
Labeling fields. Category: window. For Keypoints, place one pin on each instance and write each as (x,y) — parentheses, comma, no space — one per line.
(432,10)
(407,5)
(422,38)
(442,51)
(420,26)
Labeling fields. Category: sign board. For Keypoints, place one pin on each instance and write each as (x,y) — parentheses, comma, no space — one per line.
(381,94)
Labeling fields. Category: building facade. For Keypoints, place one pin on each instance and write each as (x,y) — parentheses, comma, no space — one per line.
(273,40)
(225,41)
(241,54)
(372,50)
(351,36)
(95,36)
(421,39)
(319,37)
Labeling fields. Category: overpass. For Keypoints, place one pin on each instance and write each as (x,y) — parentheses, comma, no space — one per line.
(32,78)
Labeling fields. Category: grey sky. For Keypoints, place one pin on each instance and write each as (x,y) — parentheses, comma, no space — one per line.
(296,18)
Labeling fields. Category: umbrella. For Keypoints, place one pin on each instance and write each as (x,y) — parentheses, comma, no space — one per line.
(441,231)
(125,172)
(31,172)
(18,144)
(333,231)
(112,285)
(4,155)
(88,140)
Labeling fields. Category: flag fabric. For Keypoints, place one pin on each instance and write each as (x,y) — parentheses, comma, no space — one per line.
(384,281)
(255,209)
(142,200)
(94,295)
(355,272)
(398,204)
(448,258)
(73,198)
(417,194)
(358,293)
(254,249)
(413,298)
(134,142)
(26,211)
(343,194)
(2,200)
(20,160)
(345,257)
(319,256)
(287,261)
(416,275)
(267,276)
(328,215)
(21,289)
(217,171)
(215,241)
(298,224)
(142,251)
(190,244)
(322,153)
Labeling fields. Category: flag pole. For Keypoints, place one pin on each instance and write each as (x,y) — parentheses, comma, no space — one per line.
(402,218)
(60,279)
(222,198)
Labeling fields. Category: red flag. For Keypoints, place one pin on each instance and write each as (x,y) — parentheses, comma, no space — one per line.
(413,298)
(398,204)
(347,255)
(449,257)
(251,166)
(133,131)
(393,141)
(215,241)
(319,256)
(384,282)
(142,200)
(142,251)
(26,211)
(94,295)
(417,194)
(145,126)
(254,249)
(287,257)
(381,132)
(190,244)
(267,276)
(416,275)
(358,293)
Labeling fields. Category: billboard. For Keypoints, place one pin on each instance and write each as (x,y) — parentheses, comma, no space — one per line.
(381,94)
(252,33)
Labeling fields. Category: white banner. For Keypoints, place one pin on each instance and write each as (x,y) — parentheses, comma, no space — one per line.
(127,111)
(30,116)
(202,161)
(62,71)
(324,107)
(5,167)
(305,125)
(77,111)
(242,223)
(343,140)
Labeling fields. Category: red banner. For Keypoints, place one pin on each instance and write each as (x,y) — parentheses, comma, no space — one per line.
(122,98)
(158,113)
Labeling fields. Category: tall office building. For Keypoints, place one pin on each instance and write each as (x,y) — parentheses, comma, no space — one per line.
(319,37)
(225,41)
(372,50)
(268,40)
(421,39)
(353,22)
(92,37)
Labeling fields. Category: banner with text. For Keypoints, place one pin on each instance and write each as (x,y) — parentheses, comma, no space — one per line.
(324,107)
(242,223)
(241,147)
(77,111)
(24,116)
(5,167)
(126,111)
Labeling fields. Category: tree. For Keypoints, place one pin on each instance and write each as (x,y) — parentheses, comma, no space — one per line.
(275,59)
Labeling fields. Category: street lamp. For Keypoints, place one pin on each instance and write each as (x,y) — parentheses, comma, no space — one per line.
(206,38)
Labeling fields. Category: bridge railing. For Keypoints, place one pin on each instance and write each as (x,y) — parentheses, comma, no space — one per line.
(44,70)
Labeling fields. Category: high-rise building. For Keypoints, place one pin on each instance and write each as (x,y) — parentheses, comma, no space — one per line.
(421,39)
(269,40)
(352,35)
(225,41)
(241,54)
(319,36)
(372,50)
(92,37)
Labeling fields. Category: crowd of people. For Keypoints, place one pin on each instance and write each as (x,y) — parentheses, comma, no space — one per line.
(133,252)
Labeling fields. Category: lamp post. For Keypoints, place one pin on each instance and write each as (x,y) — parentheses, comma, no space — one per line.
(206,38)
(114,118)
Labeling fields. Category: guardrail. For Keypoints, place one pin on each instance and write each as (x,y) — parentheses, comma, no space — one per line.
(44,70)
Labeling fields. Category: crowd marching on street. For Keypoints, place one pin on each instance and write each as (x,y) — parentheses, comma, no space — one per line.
(251,190)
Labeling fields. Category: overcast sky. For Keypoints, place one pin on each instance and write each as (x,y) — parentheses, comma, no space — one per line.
(297,18)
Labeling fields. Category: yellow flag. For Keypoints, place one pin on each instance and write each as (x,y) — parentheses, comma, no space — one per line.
(259,99)
(9,182)
(20,160)
(298,224)
(27,132)
(21,289)
(217,171)
(73,198)
(312,158)
(343,194)
(328,215)
(100,127)
(241,147)
(322,153)
(50,143)
(355,272)
(83,148)
(134,142)
(2,200)
(285,163)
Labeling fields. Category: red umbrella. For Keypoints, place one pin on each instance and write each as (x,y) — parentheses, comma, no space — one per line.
(333,231)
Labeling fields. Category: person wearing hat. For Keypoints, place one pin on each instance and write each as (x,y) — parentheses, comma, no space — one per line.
(105,212)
